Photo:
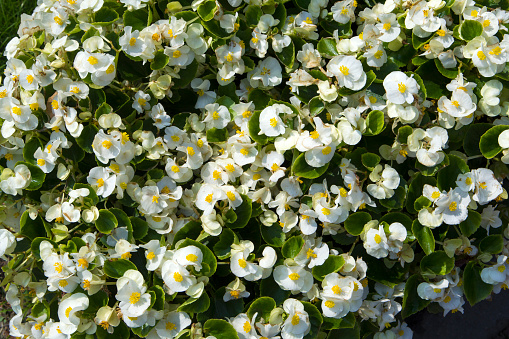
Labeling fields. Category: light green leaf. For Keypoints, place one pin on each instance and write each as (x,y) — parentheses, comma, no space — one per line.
(437,263)
(106,222)
(292,247)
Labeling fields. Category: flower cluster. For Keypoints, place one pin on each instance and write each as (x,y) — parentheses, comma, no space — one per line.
(252,169)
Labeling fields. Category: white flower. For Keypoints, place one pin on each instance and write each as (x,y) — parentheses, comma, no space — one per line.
(388,26)
(244,326)
(297,325)
(293,278)
(131,292)
(400,88)
(496,273)
(430,291)
(348,70)
(385,182)
(172,324)
(487,187)
(375,242)
(218,116)
(176,277)
(453,206)
(189,255)
(268,71)
(67,309)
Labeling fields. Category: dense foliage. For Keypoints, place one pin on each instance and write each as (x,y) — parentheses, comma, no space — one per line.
(252,169)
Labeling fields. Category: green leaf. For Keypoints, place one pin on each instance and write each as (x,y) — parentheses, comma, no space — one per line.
(30,147)
(422,88)
(474,288)
(36,243)
(292,247)
(40,309)
(217,135)
(273,235)
(253,14)
(138,19)
(475,132)
(403,219)
(106,222)
(412,303)
(117,268)
(375,123)
(196,305)
(415,190)
(160,60)
(437,263)
(418,42)
(37,176)
(489,141)
(221,329)
(316,106)
(492,244)
(403,133)
(327,47)
(315,318)
(450,73)
(370,160)
(287,55)
(105,16)
(32,229)
(347,321)
(350,333)
(421,202)
(208,257)
(207,9)
(190,230)
(254,128)
(397,201)
(424,236)
(186,75)
(471,224)
(447,175)
(470,29)
(268,287)
(222,248)
(355,222)
(243,213)
(332,265)
(301,168)
(263,306)
(103,109)
(86,138)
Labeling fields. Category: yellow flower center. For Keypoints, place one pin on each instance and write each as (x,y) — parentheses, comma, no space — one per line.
(244,151)
(435,195)
(126,255)
(242,263)
(68,311)
(455,103)
(343,69)
(294,276)
(107,144)
(295,320)
(92,60)
(273,122)
(132,41)
(175,169)
(485,23)
(387,26)
(310,253)
(177,54)
(437,290)
(208,198)
(192,257)
(190,150)
(100,182)
(170,326)
(16,110)
(177,277)
(314,134)
(246,114)
(41,162)
(481,55)
(235,294)
(378,55)
(326,150)
(247,327)
(63,283)
(441,32)
(83,262)
(155,199)
(501,268)
(401,87)
(378,238)
(453,206)
(336,289)
(58,267)
(231,195)
(156,37)
(468,181)
(329,304)
(58,20)
(326,211)
(496,51)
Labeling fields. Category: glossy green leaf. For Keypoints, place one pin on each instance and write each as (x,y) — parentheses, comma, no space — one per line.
(437,263)
(106,222)
(355,222)
(292,246)
(424,236)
